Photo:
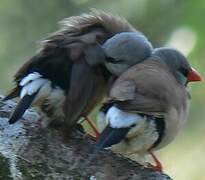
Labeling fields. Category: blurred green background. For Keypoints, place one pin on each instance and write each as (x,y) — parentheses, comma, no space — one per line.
(177,23)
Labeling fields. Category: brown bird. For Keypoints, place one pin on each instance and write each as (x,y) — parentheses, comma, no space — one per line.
(67,76)
(147,105)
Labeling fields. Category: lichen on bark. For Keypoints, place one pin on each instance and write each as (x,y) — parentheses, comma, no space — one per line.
(29,152)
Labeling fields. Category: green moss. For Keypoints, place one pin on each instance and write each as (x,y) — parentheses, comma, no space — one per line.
(4,169)
(26,172)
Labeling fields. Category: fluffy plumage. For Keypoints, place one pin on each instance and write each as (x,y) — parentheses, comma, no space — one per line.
(154,97)
(68,72)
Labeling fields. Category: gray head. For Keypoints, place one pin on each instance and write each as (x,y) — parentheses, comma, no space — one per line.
(124,50)
(178,64)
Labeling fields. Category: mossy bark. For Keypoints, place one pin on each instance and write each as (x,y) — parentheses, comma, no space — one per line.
(4,169)
(29,152)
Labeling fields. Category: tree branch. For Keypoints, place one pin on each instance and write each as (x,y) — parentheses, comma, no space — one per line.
(29,152)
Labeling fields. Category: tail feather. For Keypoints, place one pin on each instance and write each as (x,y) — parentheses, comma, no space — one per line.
(13,94)
(111,136)
(22,106)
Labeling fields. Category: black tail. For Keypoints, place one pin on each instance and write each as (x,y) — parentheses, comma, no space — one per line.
(111,136)
(22,106)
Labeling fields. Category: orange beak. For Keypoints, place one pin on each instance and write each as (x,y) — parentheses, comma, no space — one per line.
(193,75)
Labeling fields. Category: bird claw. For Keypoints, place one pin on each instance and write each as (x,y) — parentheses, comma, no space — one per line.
(158,166)
(94,128)
(155,167)
(94,138)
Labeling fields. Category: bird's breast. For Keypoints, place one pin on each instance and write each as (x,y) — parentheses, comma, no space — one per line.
(53,104)
(175,119)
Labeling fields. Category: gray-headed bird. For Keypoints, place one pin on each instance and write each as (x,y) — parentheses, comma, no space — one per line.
(147,105)
(75,66)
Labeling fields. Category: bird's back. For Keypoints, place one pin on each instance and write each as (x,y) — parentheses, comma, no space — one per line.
(66,55)
(149,79)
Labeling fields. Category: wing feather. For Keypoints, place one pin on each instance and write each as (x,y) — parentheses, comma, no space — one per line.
(150,88)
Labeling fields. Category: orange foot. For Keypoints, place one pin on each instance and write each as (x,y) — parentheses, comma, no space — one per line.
(94,128)
(157,166)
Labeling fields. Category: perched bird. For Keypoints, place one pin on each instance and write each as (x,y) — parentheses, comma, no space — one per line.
(147,105)
(74,67)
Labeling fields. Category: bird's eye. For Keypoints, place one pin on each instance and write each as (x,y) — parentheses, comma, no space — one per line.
(133,125)
(113,60)
(184,71)
(110,59)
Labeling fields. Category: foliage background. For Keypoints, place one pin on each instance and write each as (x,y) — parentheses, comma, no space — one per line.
(178,23)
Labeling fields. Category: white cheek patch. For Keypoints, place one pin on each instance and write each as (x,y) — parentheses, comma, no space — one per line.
(121,119)
(29,78)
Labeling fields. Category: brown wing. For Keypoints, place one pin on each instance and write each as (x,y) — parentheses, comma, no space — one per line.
(62,57)
(86,89)
(81,87)
(151,89)
(70,43)
(88,28)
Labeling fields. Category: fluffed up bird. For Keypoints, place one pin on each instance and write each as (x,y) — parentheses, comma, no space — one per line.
(74,67)
(147,105)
